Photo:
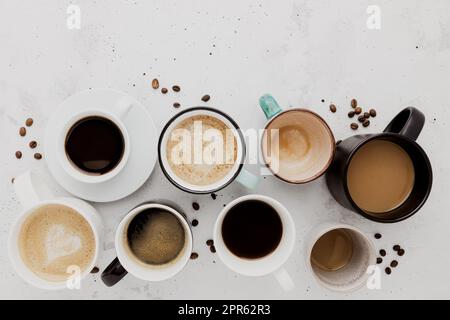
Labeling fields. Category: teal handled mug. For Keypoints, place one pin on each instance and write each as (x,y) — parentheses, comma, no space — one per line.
(297,144)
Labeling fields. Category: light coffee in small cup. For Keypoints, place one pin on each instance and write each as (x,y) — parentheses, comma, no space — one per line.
(53,238)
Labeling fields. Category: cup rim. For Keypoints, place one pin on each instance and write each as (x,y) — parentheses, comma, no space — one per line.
(13,251)
(326,126)
(381,136)
(78,174)
(240,161)
(139,271)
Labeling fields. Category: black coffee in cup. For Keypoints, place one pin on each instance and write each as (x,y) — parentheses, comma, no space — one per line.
(252,229)
(95,145)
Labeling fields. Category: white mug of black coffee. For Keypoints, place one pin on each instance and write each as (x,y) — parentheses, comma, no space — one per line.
(55,242)
(153,243)
(255,235)
(94,145)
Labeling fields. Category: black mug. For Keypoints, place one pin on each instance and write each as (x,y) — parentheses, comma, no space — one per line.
(403,130)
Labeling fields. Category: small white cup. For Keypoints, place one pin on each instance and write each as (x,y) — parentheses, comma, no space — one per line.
(270,264)
(116,114)
(28,197)
(125,262)
(354,275)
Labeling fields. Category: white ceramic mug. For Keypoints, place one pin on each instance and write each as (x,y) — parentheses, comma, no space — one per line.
(126,263)
(354,274)
(25,190)
(270,264)
(116,113)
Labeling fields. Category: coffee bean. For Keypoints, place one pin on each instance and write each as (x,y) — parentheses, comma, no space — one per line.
(394,263)
(38,156)
(155,84)
(361,118)
(358,110)
(176,105)
(33,144)
(206,98)
(373,113)
(354,126)
(396,247)
(210,242)
(29,122)
(401,252)
(354,103)
(164,90)
(194,255)
(176,88)
(382,252)
(18,154)
(377,236)
(194,222)
(379,260)
(213,196)
(351,114)
(22,131)
(388,270)
(95,270)
(333,108)
(212,249)
(366,123)
(196,206)
(366,115)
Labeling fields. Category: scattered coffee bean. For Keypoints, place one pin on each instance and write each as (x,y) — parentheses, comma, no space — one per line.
(377,235)
(155,84)
(366,123)
(354,126)
(22,131)
(176,105)
(354,103)
(213,196)
(373,113)
(212,249)
(351,114)
(38,156)
(29,122)
(206,98)
(358,110)
(164,90)
(396,247)
(12,180)
(194,255)
(361,118)
(194,222)
(333,108)
(195,206)
(401,252)
(394,263)
(379,260)
(33,144)
(382,252)
(18,154)
(176,88)
(366,115)
(388,270)
(210,242)
(95,270)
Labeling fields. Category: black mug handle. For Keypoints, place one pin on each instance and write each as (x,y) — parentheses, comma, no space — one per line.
(113,273)
(409,122)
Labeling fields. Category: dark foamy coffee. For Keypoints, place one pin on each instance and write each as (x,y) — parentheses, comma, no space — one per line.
(155,237)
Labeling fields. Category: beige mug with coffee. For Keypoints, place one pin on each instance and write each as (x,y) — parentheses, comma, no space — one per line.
(54,243)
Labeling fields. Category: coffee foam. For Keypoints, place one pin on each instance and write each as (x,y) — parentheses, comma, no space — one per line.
(53,238)
(204,173)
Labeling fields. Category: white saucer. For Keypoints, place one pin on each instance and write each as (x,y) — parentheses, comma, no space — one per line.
(143,146)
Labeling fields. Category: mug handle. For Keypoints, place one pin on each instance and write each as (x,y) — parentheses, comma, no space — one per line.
(122,107)
(113,273)
(26,191)
(284,279)
(269,106)
(247,179)
(409,122)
